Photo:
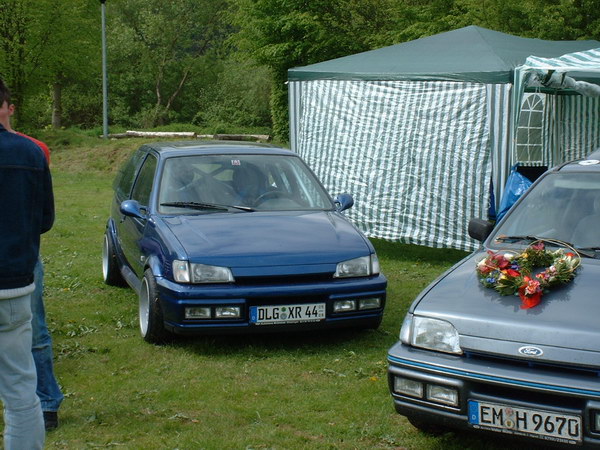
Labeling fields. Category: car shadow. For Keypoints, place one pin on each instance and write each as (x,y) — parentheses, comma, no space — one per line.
(314,340)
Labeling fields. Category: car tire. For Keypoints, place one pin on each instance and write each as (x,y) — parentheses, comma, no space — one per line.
(433,429)
(150,313)
(110,266)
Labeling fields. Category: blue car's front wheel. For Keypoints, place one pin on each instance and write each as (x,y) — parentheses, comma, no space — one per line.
(150,313)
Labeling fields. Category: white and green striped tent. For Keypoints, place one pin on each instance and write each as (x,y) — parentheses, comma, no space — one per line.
(415,131)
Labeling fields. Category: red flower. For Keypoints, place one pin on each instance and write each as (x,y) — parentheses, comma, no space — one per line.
(485,269)
(513,273)
(500,261)
(529,301)
(538,246)
(530,293)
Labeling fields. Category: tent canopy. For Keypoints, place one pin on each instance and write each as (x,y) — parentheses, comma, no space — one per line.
(471,53)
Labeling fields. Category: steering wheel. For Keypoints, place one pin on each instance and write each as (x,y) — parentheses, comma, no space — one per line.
(271,195)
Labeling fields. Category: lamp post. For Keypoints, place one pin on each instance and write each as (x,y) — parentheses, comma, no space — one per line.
(104,76)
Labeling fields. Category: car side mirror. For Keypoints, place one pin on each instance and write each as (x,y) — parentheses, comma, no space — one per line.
(132,208)
(343,202)
(480,229)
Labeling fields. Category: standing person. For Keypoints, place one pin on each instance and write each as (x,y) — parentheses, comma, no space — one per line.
(48,389)
(27,205)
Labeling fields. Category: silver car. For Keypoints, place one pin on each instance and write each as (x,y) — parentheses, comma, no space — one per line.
(508,340)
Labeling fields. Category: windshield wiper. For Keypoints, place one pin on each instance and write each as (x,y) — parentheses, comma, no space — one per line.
(213,206)
(587,251)
(517,238)
(554,242)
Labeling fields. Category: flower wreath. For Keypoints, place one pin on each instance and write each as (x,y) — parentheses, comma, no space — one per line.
(512,274)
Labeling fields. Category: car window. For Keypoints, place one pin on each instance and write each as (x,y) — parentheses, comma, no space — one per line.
(143,184)
(563,206)
(260,182)
(124,179)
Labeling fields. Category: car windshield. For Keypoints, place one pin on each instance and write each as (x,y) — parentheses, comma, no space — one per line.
(239,183)
(563,206)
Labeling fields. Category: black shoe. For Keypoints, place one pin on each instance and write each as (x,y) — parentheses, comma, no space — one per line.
(50,420)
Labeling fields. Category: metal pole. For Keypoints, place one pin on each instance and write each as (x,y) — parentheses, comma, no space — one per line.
(104,76)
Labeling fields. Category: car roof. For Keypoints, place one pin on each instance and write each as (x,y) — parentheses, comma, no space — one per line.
(179,148)
(591,163)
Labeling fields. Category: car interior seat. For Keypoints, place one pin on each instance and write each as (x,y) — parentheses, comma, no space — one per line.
(179,185)
(249,183)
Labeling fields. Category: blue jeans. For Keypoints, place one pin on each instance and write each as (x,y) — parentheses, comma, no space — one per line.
(23,420)
(41,346)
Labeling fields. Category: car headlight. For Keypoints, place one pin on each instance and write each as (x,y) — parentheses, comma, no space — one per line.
(364,266)
(184,272)
(432,334)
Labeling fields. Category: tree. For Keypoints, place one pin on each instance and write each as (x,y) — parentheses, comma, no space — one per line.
(24,32)
(72,57)
(159,46)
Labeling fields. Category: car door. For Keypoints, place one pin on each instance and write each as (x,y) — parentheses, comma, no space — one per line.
(132,228)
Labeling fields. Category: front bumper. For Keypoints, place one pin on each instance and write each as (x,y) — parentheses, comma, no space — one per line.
(558,390)
(175,298)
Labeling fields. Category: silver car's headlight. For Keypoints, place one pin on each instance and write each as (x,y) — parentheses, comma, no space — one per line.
(364,266)
(432,334)
(184,272)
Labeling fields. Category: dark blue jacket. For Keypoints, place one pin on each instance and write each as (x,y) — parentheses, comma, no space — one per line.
(26,207)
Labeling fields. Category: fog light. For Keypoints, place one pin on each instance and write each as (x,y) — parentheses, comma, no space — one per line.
(228,312)
(197,313)
(442,394)
(407,386)
(596,421)
(344,305)
(369,303)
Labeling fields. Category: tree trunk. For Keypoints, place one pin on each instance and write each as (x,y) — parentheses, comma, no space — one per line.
(56,105)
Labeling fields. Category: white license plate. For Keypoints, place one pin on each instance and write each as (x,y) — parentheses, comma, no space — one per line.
(565,428)
(281,314)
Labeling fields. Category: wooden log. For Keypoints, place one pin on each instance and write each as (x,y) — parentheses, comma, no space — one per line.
(190,135)
(182,134)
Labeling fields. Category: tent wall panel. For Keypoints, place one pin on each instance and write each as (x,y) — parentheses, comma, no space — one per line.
(415,155)
(579,125)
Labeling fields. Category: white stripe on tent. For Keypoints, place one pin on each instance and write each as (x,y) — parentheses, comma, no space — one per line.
(294,98)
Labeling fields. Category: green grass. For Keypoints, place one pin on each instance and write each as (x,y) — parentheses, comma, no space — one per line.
(320,390)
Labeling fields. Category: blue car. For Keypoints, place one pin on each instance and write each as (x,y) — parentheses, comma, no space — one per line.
(222,237)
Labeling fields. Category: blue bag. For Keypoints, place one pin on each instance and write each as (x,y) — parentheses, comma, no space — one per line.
(516,185)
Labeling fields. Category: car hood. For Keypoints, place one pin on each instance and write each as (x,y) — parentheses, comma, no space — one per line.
(261,239)
(567,316)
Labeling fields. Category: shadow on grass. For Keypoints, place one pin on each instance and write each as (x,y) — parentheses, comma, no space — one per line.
(305,342)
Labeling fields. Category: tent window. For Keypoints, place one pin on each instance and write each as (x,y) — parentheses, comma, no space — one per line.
(529,133)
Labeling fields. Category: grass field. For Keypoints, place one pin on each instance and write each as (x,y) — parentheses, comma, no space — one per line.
(322,390)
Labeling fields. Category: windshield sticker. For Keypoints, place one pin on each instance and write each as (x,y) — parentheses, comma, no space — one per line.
(589,162)
(236,162)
